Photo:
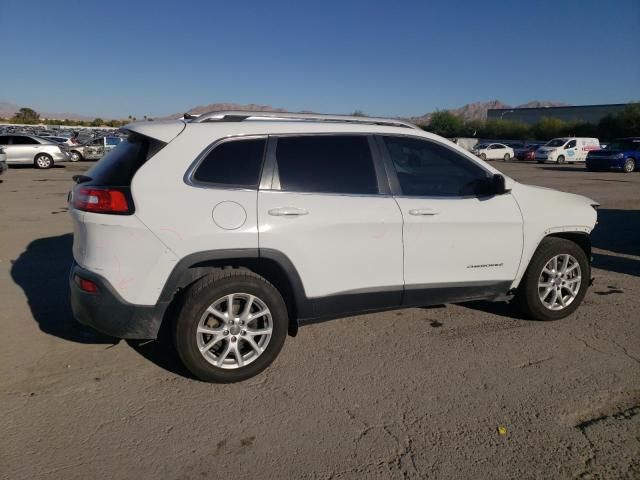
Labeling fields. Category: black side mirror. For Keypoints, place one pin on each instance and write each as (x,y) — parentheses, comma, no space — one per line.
(494,185)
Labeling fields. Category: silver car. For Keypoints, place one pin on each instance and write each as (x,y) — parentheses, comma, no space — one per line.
(32,150)
(95,148)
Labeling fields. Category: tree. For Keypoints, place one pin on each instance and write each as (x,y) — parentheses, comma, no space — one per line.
(446,124)
(97,122)
(358,113)
(26,115)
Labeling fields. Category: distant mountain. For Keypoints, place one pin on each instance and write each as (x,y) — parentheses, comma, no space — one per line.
(478,110)
(8,110)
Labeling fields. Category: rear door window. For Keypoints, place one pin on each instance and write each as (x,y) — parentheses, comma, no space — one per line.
(21,140)
(340,164)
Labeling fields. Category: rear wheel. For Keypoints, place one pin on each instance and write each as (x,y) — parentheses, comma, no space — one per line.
(232,325)
(629,165)
(507,157)
(556,280)
(560,159)
(43,160)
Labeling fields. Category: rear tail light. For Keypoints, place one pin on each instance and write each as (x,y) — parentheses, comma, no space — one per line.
(114,201)
(85,285)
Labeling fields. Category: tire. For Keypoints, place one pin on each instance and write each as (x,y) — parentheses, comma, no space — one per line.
(507,157)
(203,296)
(629,165)
(560,159)
(483,156)
(43,161)
(75,156)
(528,297)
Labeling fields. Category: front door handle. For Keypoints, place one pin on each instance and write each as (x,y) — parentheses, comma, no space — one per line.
(287,212)
(423,212)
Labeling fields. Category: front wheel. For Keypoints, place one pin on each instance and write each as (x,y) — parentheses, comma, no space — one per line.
(556,280)
(483,156)
(75,156)
(560,159)
(629,165)
(43,160)
(232,325)
(507,157)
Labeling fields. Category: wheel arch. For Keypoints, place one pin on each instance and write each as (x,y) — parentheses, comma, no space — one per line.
(273,265)
(581,237)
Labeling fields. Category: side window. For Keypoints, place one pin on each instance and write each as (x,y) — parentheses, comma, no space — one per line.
(18,140)
(235,163)
(429,169)
(4,140)
(326,164)
(571,144)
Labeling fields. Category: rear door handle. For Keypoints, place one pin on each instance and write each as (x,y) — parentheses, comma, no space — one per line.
(287,212)
(423,212)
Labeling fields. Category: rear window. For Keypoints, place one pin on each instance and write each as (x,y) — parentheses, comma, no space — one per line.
(117,168)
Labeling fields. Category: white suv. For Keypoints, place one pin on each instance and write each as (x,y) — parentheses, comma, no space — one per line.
(231,229)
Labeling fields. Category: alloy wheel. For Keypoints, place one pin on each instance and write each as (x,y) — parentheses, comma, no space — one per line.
(234,330)
(559,282)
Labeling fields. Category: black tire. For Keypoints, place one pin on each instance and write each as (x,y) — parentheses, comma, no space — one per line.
(527,297)
(43,161)
(507,157)
(629,165)
(204,293)
(75,156)
(483,156)
(560,159)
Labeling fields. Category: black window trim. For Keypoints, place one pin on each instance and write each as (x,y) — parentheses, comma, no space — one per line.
(271,179)
(394,182)
(189,174)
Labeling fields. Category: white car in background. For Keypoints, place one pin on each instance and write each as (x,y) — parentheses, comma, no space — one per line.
(570,149)
(32,150)
(3,161)
(493,151)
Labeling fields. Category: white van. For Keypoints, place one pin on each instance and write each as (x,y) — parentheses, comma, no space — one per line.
(571,149)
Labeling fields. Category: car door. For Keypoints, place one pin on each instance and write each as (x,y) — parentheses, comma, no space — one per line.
(457,244)
(23,149)
(328,209)
(571,151)
(498,151)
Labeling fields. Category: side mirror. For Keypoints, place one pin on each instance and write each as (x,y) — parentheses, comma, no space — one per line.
(494,185)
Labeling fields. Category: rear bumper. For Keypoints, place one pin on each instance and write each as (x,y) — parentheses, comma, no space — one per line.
(108,313)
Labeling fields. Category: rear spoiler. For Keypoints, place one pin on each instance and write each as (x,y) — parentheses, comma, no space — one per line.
(165,131)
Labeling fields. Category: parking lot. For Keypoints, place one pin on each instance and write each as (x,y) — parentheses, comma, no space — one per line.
(458,391)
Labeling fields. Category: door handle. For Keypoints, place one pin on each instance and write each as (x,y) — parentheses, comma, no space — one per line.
(423,212)
(287,212)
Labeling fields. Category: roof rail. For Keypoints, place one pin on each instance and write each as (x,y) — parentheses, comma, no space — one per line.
(239,116)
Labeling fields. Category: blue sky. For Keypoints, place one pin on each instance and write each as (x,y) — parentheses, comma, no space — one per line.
(117,58)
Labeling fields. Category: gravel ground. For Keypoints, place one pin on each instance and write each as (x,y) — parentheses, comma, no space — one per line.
(466,391)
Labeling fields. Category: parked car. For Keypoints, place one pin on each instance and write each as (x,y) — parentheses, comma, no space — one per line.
(493,151)
(527,153)
(561,150)
(94,149)
(3,160)
(249,224)
(621,154)
(29,149)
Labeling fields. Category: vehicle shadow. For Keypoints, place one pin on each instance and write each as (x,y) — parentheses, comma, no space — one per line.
(618,231)
(500,309)
(42,271)
(564,169)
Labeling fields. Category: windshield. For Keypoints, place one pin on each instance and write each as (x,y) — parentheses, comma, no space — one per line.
(623,145)
(557,142)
